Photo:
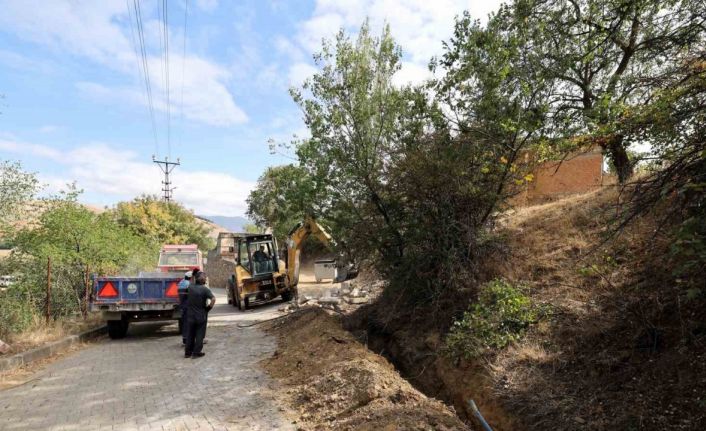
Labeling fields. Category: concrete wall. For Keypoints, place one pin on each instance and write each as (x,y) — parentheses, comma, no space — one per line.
(218,269)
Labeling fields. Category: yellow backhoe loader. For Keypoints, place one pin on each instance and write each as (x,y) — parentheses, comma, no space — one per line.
(261,274)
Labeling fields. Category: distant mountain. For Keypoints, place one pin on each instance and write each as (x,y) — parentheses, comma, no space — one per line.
(232,224)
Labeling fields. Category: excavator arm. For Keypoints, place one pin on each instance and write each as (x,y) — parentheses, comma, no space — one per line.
(295,241)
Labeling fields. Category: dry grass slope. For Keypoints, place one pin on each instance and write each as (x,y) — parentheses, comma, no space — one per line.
(621,350)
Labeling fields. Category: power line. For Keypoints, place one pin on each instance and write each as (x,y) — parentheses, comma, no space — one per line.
(144,71)
(145,65)
(165,27)
(183,67)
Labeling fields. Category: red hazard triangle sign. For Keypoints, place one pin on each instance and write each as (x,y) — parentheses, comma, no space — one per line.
(108,291)
(172,290)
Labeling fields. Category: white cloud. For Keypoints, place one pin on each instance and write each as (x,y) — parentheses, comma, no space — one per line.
(80,28)
(411,73)
(419,26)
(115,174)
(49,128)
(287,48)
(100,31)
(318,27)
(207,5)
(299,72)
(12,146)
(206,99)
(21,62)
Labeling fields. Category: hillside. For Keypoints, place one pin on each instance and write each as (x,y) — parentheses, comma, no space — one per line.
(229,224)
(213,228)
(620,347)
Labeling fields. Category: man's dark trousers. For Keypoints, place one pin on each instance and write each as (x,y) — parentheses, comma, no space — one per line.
(182,319)
(195,333)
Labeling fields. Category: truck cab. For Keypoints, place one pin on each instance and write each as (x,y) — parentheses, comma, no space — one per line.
(179,258)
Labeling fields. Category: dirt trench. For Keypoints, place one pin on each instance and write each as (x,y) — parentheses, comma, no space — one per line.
(335,382)
(417,356)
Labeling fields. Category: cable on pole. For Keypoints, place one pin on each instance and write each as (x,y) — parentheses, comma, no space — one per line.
(167,167)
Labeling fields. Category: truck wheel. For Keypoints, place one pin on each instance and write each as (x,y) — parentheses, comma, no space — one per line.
(234,297)
(287,296)
(117,329)
(244,304)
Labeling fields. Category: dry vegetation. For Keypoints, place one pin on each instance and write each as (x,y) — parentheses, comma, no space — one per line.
(622,347)
(334,382)
(41,333)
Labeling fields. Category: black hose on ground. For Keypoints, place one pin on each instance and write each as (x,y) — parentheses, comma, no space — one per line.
(240,325)
(301,310)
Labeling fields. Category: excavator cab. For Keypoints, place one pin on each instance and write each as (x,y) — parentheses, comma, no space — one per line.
(258,275)
(264,257)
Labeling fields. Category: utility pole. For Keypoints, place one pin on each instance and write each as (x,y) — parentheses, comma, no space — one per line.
(167,167)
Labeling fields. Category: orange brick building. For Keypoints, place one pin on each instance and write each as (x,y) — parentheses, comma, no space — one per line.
(556,179)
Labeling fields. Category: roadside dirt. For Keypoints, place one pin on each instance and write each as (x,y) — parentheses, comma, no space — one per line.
(335,382)
(41,334)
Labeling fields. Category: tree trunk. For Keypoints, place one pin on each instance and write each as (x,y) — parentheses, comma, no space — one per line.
(619,157)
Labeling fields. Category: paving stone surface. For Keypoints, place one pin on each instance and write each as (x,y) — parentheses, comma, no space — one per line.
(143,382)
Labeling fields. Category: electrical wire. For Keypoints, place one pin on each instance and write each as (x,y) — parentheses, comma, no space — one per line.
(165,22)
(183,67)
(141,59)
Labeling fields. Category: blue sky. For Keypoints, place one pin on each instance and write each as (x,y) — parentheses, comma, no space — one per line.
(74,102)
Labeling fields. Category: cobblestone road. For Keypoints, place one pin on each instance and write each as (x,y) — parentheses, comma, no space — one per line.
(143,382)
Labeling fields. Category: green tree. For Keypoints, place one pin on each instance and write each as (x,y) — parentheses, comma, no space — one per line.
(359,123)
(283,196)
(410,185)
(497,101)
(674,122)
(601,55)
(252,228)
(17,190)
(79,243)
(162,222)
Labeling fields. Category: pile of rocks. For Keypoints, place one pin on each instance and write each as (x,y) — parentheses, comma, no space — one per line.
(348,293)
(354,294)
(343,298)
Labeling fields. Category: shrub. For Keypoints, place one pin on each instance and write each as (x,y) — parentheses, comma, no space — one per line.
(501,315)
(16,312)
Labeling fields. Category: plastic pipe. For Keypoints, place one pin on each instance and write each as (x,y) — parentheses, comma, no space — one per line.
(476,412)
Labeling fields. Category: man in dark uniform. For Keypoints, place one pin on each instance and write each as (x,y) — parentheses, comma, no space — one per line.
(197,315)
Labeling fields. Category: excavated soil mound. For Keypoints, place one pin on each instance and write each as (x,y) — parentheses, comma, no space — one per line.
(337,383)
